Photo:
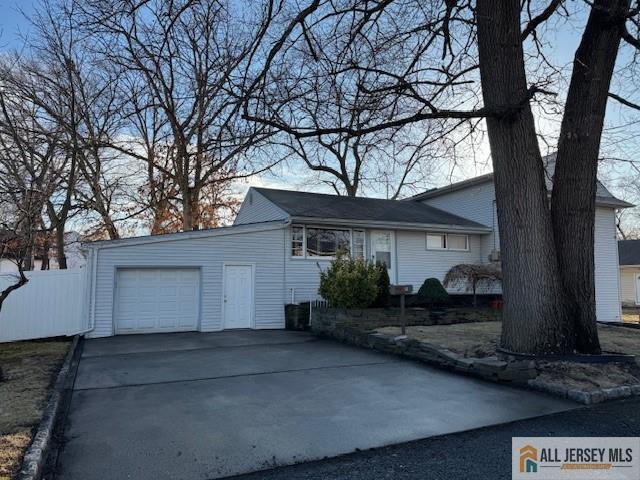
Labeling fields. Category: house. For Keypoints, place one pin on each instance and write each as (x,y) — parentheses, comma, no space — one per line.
(242,276)
(629,260)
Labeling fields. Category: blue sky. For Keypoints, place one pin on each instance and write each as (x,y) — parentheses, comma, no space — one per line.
(562,43)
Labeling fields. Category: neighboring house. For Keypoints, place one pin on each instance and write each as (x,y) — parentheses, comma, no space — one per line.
(242,276)
(629,259)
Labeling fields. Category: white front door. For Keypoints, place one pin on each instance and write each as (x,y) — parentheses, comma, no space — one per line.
(238,296)
(382,251)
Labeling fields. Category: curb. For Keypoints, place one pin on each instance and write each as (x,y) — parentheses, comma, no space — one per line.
(34,458)
(587,398)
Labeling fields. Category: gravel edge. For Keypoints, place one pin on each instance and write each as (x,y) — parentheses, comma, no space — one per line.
(34,458)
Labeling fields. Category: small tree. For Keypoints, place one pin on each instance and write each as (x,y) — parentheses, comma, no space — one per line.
(384,296)
(432,293)
(349,283)
(473,274)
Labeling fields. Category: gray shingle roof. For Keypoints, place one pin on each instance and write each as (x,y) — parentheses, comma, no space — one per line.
(629,252)
(322,206)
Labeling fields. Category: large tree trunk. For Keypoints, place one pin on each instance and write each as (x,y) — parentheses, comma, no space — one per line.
(574,190)
(536,312)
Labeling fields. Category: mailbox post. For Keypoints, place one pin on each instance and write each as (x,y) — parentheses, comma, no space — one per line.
(401,290)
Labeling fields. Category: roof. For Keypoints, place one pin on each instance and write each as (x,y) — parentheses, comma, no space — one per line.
(324,207)
(191,234)
(603,196)
(629,252)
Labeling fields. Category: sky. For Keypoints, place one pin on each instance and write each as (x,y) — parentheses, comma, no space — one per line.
(562,45)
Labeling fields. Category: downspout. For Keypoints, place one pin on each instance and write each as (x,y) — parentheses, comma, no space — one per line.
(92,289)
(287,224)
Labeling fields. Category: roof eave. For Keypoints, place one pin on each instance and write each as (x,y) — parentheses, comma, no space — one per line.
(613,203)
(191,235)
(438,227)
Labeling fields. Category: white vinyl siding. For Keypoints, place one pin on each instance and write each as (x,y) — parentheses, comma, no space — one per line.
(475,203)
(628,292)
(415,263)
(256,209)
(607,272)
(264,248)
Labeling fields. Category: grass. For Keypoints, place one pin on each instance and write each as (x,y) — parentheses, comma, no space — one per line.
(631,315)
(29,369)
(481,340)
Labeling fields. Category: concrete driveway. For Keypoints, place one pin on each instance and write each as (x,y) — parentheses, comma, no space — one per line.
(203,406)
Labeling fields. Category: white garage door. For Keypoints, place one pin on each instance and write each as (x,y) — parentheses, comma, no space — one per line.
(150,300)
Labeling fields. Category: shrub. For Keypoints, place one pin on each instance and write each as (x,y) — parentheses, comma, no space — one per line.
(349,283)
(383,299)
(432,293)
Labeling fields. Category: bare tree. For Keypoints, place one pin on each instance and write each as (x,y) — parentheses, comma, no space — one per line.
(185,58)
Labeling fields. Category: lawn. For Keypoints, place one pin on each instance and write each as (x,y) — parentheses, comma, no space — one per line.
(631,315)
(481,339)
(29,370)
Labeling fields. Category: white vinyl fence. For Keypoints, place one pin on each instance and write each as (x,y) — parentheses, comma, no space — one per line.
(52,304)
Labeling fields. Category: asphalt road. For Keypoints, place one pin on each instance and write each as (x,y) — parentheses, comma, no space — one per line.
(476,454)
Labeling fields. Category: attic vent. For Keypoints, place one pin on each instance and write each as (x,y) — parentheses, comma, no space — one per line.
(251,198)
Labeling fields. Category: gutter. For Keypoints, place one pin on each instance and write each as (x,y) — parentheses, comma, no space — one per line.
(436,227)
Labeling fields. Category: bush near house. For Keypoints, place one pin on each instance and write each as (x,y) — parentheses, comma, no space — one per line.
(383,298)
(349,283)
(431,293)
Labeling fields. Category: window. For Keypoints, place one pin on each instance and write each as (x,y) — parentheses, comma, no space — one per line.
(313,242)
(327,243)
(297,241)
(457,242)
(436,241)
(442,241)
(358,244)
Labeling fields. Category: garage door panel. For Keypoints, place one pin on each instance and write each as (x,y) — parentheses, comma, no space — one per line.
(157,300)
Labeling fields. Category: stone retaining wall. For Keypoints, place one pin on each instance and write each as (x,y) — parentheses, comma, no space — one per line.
(373,318)
(489,368)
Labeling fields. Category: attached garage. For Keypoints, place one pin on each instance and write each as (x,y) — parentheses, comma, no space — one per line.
(152,300)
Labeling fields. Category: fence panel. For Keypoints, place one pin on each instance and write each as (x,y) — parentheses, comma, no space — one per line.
(51,304)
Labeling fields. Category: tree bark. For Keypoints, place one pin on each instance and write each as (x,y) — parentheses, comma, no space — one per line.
(60,255)
(536,312)
(574,189)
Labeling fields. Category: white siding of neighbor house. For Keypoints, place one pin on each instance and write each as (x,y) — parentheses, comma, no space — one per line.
(415,263)
(607,270)
(628,276)
(263,248)
(256,208)
(475,203)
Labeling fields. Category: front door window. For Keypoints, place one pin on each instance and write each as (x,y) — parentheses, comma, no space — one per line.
(382,249)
